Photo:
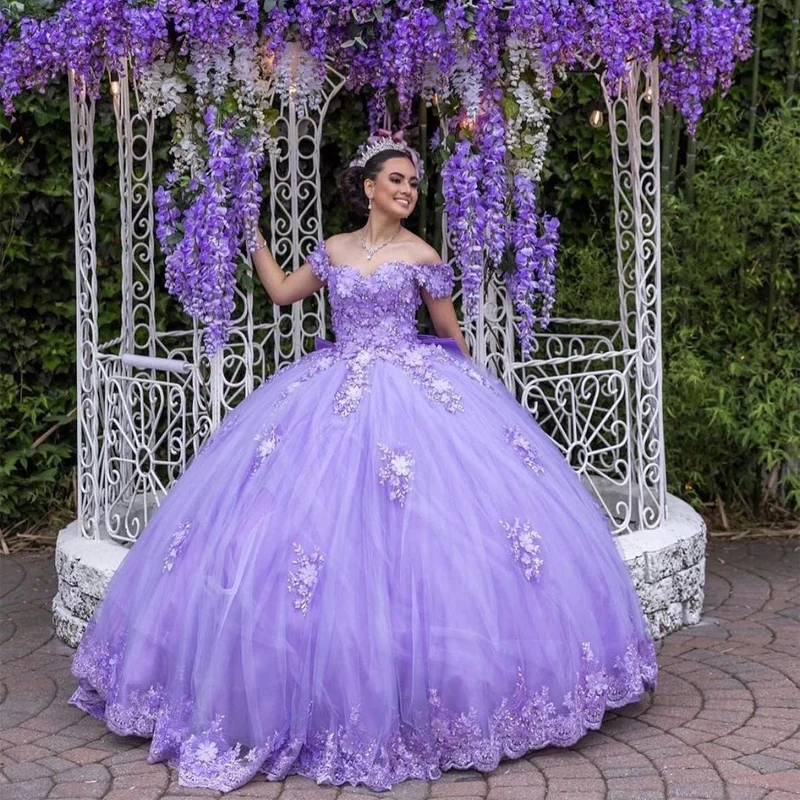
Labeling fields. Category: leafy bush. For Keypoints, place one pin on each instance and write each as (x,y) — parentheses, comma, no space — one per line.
(731,314)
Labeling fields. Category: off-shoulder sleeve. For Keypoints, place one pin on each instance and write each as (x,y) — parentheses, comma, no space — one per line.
(320,260)
(438,279)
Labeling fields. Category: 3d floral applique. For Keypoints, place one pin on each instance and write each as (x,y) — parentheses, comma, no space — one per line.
(524,448)
(523,545)
(356,383)
(176,545)
(396,472)
(437,279)
(267,442)
(303,580)
(415,362)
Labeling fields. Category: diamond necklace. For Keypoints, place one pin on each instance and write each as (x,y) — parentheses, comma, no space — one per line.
(372,250)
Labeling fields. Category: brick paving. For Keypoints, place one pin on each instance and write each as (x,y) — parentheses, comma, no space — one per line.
(724,722)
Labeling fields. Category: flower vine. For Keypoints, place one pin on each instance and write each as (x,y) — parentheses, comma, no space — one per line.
(214,68)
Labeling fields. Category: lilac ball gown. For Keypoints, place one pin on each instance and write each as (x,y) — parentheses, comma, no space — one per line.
(378,568)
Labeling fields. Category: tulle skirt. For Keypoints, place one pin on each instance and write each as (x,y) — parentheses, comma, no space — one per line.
(363,581)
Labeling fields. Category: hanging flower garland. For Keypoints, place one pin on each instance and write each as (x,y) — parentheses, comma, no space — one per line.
(533,237)
(213,187)
(489,65)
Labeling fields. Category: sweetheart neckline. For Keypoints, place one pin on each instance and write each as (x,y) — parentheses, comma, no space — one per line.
(394,261)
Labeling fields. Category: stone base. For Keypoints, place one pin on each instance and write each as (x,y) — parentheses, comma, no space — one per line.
(667,564)
(84,568)
(668,567)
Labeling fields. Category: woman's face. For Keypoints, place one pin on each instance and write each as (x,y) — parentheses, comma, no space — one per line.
(395,189)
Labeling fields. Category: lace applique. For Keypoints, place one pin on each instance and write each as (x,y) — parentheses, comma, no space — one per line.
(418,363)
(529,720)
(469,370)
(97,659)
(629,660)
(303,581)
(208,759)
(523,545)
(443,738)
(595,678)
(396,472)
(267,442)
(415,363)
(524,449)
(320,261)
(356,382)
(176,545)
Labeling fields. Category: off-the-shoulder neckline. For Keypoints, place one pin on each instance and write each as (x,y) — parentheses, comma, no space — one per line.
(394,261)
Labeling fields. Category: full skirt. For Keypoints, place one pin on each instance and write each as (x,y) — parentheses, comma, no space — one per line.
(366,583)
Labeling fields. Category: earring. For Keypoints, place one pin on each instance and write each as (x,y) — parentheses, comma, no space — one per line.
(369,205)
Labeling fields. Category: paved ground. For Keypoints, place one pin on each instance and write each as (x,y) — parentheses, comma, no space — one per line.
(723,724)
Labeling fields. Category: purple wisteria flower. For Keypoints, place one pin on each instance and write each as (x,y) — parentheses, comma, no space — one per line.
(398,50)
(534,241)
(460,180)
(201,242)
(490,138)
(705,40)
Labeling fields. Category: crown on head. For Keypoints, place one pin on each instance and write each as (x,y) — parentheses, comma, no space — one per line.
(385,140)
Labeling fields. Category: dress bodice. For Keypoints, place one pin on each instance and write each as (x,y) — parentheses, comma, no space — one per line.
(378,311)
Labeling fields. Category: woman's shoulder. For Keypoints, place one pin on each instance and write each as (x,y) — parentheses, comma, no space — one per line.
(339,238)
(420,252)
(432,274)
(339,245)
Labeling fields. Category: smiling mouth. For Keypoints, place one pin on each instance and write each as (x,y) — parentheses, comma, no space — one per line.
(403,201)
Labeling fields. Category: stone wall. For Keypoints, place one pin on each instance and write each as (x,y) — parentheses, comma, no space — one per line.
(668,567)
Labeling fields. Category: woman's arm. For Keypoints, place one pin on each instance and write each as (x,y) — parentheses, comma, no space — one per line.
(283,288)
(444,319)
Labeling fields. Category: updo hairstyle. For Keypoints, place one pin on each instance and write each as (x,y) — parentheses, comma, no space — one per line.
(351,182)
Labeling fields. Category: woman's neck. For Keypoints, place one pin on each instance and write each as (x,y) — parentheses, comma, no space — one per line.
(379,229)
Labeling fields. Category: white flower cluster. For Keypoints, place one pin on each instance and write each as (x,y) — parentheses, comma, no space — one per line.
(433,81)
(253,88)
(159,89)
(532,124)
(465,82)
(211,77)
(245,74)
(300,78)
(186,158)
(162,91)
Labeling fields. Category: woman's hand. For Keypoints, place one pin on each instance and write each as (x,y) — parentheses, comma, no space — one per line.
(284,288)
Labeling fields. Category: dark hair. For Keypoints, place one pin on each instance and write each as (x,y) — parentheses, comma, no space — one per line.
(351,182)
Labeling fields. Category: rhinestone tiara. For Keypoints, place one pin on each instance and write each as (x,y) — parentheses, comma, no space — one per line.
(383,140)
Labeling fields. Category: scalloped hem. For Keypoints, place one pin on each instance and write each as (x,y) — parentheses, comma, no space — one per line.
(523,722)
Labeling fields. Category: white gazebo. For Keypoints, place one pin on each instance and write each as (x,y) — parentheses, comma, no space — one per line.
(149,398)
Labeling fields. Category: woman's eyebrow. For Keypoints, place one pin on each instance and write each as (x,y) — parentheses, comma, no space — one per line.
(400,175)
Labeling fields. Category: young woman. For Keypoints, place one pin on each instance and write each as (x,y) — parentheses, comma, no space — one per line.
(379,567)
